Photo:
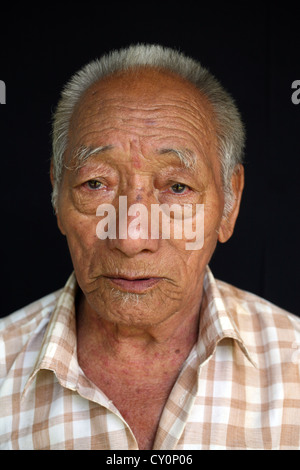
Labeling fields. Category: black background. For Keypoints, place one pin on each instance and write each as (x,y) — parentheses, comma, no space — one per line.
(254,50)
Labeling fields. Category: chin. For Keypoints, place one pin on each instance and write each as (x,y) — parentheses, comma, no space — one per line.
(130,309)
(127,298)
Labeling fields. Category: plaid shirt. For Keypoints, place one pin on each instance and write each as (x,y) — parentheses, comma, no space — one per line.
(238,389)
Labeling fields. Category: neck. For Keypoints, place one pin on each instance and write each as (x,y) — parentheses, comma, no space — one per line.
(136,367)
(173,338)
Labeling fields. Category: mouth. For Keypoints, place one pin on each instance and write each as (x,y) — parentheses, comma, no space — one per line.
(134,284)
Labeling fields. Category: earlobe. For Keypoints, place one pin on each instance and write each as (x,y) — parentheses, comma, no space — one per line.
(228,220)
(59,224)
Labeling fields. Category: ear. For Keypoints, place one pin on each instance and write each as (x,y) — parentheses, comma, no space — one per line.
(51,173)
(60,226)
(228,220)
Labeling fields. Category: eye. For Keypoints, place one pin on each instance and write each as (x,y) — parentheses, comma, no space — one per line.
(179,188)
(94,184)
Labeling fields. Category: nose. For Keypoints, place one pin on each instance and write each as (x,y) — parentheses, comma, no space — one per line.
(133,226)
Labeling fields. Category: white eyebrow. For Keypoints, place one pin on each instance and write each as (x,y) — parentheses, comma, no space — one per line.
(83,153)
(187,157)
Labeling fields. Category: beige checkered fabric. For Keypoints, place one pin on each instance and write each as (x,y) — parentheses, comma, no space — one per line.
(238,389)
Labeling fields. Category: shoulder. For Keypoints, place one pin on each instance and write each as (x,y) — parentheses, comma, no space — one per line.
(270,334)
(17,328)
(241,301)
(268,330)
(26,314)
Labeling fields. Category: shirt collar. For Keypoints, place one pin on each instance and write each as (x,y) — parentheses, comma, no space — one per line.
(59,347)
(58,351)
(217,322)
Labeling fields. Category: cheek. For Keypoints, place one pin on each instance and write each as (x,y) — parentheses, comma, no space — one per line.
(81,237)
(213,211)
(192,261)
(197,233)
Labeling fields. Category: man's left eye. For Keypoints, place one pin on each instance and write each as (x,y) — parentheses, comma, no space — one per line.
(179,188)
(94,184)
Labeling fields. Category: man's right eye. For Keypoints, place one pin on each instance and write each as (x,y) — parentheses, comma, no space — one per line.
(94,184)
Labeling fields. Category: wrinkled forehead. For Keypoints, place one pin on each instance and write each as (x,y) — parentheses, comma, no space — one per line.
(142,87)
(152,103)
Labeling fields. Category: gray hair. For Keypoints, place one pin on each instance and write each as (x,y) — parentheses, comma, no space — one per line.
(229,126)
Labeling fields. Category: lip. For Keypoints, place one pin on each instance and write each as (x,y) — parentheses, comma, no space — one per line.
(134,284)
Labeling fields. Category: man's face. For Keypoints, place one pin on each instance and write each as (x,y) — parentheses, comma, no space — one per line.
(140,120)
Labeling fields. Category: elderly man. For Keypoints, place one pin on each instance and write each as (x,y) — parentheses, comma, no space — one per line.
(143,348)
